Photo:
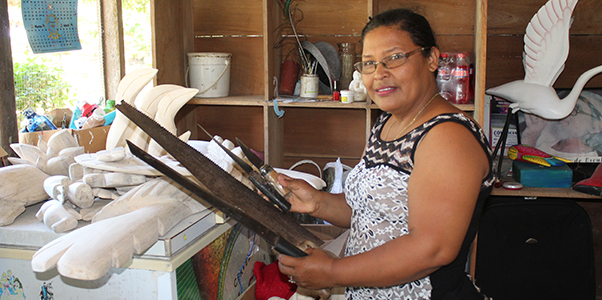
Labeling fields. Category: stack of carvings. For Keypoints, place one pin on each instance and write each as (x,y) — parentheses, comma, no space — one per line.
(128,211)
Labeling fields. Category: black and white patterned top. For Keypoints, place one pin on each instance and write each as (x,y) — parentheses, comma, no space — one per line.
(376,189)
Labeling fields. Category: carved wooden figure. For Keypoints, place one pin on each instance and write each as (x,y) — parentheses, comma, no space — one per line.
(56,217)
(52,184)
(128,89)
(128,225)
(20,186)
(166,113)
(149,105)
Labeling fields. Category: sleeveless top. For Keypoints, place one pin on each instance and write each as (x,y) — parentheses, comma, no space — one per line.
(376,191)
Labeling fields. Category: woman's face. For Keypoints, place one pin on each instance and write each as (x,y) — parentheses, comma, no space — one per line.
(396,89)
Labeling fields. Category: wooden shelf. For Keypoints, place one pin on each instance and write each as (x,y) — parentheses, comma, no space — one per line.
(544,192)
(258,100)
(326,104)
(251,100)
(321,130)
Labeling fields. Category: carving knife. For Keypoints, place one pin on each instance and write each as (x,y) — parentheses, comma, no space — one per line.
(266,170)
(247,207)
(258,179)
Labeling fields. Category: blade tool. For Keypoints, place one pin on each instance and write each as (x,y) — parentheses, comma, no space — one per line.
(264,169)
(261,182)
(231,196)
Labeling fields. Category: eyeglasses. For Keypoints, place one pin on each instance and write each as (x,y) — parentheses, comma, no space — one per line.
(389,62)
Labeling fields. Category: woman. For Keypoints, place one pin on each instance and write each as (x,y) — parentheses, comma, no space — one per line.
(414,199)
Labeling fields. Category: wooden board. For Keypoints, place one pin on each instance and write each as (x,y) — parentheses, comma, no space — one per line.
(230,122)
(228,17)
(504,60)
(169,49)
(324,131)
(447,17)
(512,16)
(331,17)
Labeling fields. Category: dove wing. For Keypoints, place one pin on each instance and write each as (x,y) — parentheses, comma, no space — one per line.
(547,42)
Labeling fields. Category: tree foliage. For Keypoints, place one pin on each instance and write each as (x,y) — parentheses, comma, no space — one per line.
(39,86)
(40,81)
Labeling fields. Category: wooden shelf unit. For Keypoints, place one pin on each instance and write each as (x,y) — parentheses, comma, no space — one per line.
(320,131)
(492,30)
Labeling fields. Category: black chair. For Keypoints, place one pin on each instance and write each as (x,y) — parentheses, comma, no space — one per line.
(535,249)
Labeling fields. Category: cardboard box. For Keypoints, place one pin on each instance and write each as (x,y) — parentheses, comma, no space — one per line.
(93,139)
(496,128)
(32,138)
(534,175)
(60,117)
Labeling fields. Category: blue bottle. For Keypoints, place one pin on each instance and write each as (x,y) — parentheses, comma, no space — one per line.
(36,122)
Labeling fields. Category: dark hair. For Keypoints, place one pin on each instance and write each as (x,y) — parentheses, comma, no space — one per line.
(414,24)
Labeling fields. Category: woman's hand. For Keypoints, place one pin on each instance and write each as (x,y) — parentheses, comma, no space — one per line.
(313,271)
(303,197)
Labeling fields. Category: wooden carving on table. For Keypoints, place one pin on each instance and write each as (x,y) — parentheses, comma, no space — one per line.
(125,227)
(78,186)
(545,52)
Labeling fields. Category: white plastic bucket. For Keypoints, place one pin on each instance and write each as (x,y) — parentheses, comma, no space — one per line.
(209,72)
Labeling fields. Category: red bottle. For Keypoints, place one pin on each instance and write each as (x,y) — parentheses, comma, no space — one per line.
(336,94)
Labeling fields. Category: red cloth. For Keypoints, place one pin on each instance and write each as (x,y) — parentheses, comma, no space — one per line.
(270,282)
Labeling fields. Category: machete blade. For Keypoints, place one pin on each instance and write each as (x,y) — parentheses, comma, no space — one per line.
(226,188)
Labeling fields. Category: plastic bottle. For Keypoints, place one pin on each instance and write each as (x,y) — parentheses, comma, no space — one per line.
(77,114)
(461,80)
(36,122)
(96,119)
(444,82)
(77,124)
(109,106)
(110,117)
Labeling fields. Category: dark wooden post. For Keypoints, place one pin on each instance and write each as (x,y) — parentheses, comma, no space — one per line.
(9,132)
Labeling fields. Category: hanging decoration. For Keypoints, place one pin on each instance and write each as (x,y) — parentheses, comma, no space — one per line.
(51,25)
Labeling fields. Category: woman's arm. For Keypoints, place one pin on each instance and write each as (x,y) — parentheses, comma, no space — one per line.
(305,199)
(443,189)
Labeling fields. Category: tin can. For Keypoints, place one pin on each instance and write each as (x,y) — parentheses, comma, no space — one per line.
(309,86)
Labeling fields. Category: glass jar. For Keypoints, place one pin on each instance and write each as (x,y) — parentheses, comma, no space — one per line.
(347,55)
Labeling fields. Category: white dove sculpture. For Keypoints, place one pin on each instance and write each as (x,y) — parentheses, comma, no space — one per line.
(545,52)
